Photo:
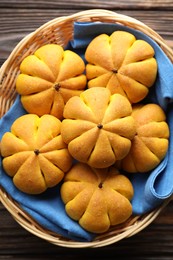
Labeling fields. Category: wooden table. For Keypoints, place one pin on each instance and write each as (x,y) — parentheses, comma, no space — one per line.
(17,19)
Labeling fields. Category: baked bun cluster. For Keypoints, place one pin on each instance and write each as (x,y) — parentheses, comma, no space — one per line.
(150,143)
(98,127)
(48,78)
(122,64)
(97,198)
(35,155)
(80,126)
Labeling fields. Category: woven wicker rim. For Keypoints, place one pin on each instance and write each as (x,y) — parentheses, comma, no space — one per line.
(60,31)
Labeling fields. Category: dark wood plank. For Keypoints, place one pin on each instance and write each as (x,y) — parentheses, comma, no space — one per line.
(16,25)
(154,242)
(79,4)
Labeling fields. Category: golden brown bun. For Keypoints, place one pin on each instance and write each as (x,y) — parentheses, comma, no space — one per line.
(98,127)
(97,198)
(49,78)
(35,155)
(121,63)
(150,144)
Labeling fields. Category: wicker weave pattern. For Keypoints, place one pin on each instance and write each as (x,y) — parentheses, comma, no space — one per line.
(60,31)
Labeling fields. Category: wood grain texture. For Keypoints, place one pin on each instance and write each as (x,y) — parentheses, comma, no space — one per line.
(17,19)
(155,242)
(78,4)
(17,24)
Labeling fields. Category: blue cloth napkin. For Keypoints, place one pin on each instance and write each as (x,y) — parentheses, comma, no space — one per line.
(151,189)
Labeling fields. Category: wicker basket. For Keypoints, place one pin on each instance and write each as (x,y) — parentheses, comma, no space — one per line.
(60,30)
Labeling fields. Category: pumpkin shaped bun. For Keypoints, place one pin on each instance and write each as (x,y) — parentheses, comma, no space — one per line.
(97,198)
(48,78)
(122,64)
(35,155)
(150,144)
(98,127)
